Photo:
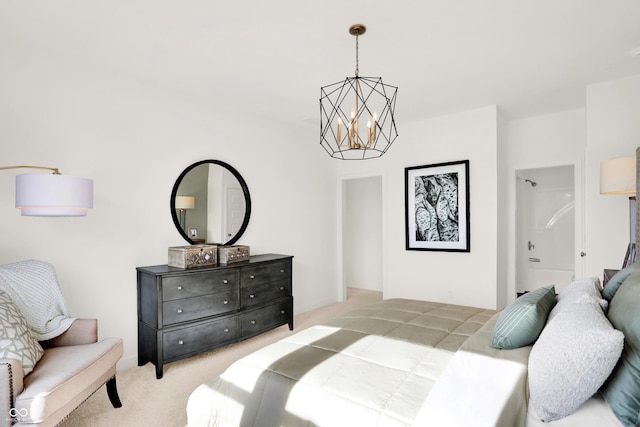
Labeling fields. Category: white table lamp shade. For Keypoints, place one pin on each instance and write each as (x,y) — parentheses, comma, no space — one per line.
(185,202)
(618,176)
(53,195)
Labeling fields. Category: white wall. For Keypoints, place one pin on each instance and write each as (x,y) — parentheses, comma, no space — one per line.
(461,278)
(134,139)
(504,290)
(613,130)
(539,142)
(606,128)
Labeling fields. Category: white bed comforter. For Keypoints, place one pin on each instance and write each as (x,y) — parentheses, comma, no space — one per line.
(380,366)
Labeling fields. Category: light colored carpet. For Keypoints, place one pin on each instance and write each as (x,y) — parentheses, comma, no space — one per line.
(147,401)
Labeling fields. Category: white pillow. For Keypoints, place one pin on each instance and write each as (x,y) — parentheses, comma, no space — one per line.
(574,355)
(576,290)
(16,340)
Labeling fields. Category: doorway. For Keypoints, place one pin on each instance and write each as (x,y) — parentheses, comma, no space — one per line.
(545,227)
(362,233)
(235,209)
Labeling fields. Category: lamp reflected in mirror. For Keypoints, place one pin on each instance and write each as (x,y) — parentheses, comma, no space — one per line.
(183,203)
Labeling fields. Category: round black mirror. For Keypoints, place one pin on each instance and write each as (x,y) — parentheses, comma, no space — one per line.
(210,203)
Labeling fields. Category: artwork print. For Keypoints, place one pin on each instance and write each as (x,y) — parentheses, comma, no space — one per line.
(437,207)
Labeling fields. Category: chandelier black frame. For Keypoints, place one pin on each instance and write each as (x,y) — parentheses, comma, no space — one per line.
(345,104)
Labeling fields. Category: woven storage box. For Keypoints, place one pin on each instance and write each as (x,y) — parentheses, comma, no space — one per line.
(231,254)
(193,256)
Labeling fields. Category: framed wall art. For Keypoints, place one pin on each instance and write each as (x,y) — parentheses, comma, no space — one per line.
(437,207)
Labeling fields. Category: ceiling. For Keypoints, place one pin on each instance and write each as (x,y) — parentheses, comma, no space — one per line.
(271,58)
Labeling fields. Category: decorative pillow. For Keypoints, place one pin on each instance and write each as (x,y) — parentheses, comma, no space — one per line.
(622,390)
(575,290)
(16,340)
(521,322)
(614,283)
(574,355)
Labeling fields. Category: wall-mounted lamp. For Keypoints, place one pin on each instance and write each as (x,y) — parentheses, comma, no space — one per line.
(182,204)
(618,176)
(52,194)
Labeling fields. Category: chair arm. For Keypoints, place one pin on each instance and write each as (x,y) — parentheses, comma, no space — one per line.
(11,385)
(81,331)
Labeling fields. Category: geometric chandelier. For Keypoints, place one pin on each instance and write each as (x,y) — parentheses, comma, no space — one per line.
(356,115)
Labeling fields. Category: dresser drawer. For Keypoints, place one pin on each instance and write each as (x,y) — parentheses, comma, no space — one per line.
(191,285)
(264,274)
(182,310)
(201,336)
(261,319)
(264,293)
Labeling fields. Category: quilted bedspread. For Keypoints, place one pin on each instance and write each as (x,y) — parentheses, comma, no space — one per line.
(373,367)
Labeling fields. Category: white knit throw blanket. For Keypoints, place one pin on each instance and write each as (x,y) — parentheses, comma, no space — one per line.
(33,287)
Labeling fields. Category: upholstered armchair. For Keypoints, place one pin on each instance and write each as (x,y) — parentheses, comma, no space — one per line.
(73,367)
(43,378)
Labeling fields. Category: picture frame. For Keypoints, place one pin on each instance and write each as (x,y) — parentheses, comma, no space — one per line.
(193,232)
(437,214)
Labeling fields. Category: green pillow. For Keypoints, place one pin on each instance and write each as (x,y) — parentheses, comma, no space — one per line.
(614,283)
(622,389)
(521,322)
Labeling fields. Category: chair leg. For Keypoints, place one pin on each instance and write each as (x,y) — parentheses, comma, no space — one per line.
(112,391)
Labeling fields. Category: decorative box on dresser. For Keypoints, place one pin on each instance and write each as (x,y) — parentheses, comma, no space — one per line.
(184,312)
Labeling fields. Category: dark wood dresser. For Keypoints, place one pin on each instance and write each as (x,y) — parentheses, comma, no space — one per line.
(184,312)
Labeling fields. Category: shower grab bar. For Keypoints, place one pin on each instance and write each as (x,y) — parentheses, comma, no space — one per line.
(534,259)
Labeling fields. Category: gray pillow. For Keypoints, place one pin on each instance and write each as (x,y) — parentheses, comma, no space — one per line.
(622,390)
(574,355)
(614,283)
(521,321)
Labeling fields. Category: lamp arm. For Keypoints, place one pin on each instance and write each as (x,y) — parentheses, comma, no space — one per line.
(55,170)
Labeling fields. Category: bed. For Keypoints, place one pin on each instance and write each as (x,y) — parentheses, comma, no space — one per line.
(405,362)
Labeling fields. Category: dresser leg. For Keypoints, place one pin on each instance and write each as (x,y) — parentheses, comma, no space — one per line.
(291,318)
(159,371)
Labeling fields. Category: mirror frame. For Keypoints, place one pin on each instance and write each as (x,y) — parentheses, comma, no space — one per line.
(245,190)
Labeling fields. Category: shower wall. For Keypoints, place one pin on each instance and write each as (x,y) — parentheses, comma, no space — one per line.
(545,235)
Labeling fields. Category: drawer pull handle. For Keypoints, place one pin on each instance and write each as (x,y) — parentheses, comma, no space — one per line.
(179,311)
(253,322)
(282,270)
(252,296)
(181,342)
(225,302)
(282,312)
(179,287)
(282,288)
(252,277)
(225,281)
(226,330)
